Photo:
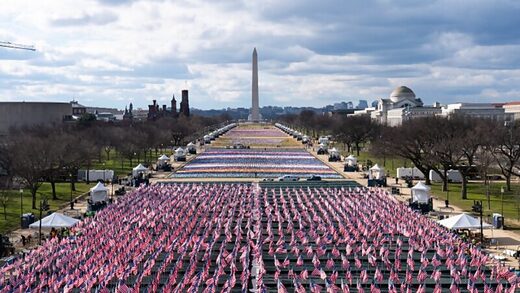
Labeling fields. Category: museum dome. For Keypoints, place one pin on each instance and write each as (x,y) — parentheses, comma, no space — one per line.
(401,93)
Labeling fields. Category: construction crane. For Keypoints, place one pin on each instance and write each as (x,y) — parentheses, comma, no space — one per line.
(16,46)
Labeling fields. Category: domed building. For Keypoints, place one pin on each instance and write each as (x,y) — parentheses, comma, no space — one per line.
(401,93)
(401,99)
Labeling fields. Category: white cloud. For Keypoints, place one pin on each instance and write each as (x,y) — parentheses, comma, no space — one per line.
(311,53)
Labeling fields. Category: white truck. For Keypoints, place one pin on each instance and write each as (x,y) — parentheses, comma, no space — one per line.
(410,173)
(454,176)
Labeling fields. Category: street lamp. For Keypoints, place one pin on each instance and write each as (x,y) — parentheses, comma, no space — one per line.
(71,203)
(44,206)
(447,202)
(502,199)
(21,208)
(481,226)
(104,170)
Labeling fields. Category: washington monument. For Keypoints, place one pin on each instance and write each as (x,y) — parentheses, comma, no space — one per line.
(255,109)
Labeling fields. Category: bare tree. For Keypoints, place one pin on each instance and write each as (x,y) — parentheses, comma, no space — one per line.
(30,160)
(506,150)
(413,141)
(355,130)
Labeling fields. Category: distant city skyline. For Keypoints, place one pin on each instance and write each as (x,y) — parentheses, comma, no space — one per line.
(109,53)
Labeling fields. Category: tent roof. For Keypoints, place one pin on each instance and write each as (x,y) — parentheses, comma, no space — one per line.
(350,157)
(55,220)
(164,157)
(179,149)
(191,144)
(421,186)
(99,187)
(463,221)
(140,167)
(376,168)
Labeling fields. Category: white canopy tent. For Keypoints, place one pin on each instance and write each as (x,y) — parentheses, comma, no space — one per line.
(191,146)
(55,220)
(463,221)
(139,169)
(179,154)
(333,152)
(351,161)
(420,193)
(98,193)
(377,172)
(163,160)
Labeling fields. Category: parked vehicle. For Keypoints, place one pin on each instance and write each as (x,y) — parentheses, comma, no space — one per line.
(288,178)
(314,178)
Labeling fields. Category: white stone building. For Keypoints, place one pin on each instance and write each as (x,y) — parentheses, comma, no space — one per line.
(477,110)
(402,97)
(512,109)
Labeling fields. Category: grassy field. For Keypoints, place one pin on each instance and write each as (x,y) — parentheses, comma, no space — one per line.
(114,164)
(477,191)
(123,169)
(11,219)
(390,164)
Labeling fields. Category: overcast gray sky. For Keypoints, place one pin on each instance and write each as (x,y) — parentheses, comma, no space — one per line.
(311,53)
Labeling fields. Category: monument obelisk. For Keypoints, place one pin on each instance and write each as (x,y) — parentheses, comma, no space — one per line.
(255,109)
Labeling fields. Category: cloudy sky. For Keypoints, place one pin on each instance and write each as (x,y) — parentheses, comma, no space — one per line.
(112,52)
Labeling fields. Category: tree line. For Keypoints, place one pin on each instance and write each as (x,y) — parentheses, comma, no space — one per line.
(32,156)
(467,144)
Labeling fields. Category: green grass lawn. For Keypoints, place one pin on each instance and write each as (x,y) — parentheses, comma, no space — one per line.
(114,164)
(477,191)
(125,168)
(390,164)
(13,204)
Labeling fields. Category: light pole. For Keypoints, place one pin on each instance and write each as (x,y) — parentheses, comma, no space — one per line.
(447,197)
(112,194)
(44,206)
(488,197)
(71,204)
(21,208)
(481,226)
(502,199)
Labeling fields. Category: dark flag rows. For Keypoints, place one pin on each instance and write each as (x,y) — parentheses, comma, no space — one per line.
(238,237)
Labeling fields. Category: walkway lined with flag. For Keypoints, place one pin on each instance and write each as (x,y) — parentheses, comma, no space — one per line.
(195,237)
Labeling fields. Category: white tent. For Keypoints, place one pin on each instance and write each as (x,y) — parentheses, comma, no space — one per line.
(421,193)
(191,146)
(163,160)
(377,172)
(55,220)
(99,193)
(463,221)
(351,160)
(139,169)
(180,154)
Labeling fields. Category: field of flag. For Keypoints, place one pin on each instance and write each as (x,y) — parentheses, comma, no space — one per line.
(257,162)
(236,237)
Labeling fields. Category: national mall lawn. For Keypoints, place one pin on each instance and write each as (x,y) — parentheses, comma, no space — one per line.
(10,217)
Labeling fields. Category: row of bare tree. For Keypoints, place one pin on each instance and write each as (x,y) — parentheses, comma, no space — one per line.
(55,154)
(460,143)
